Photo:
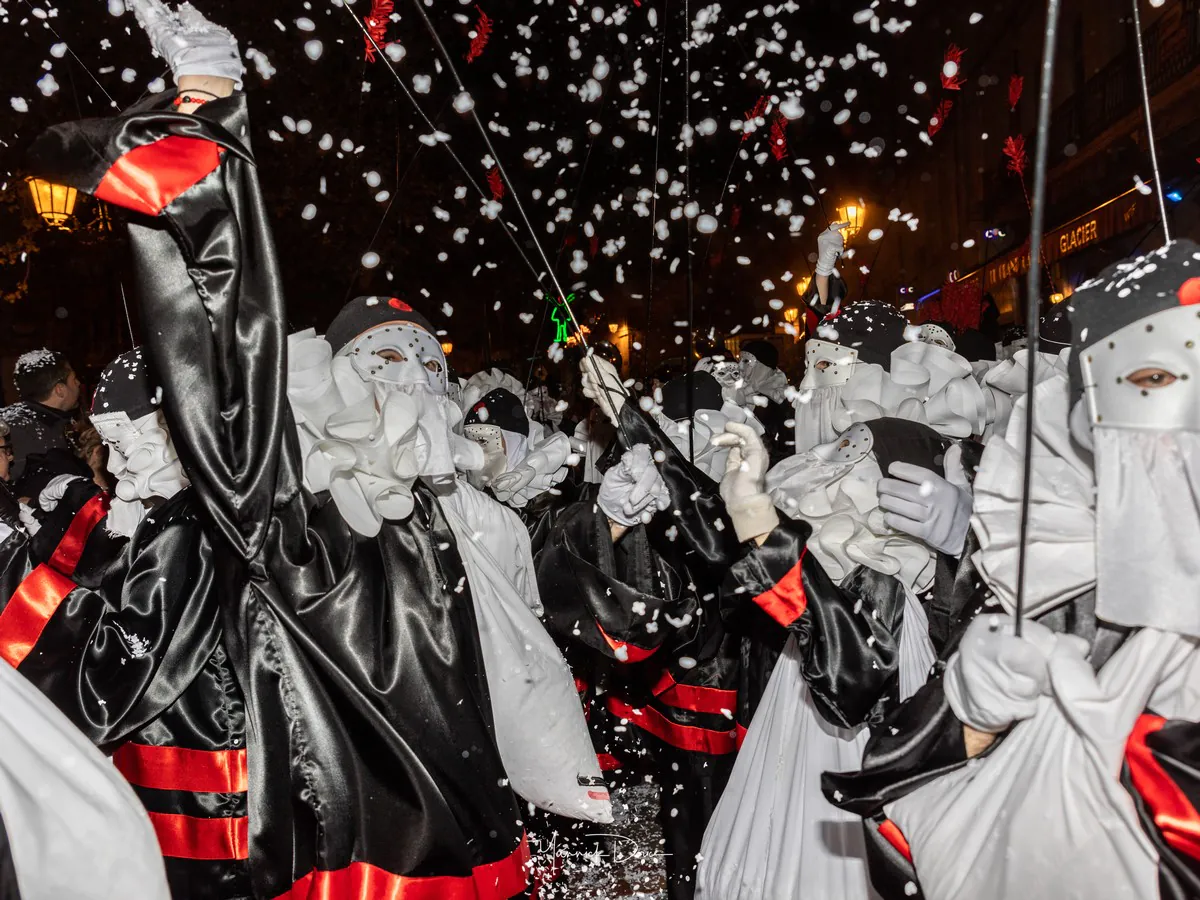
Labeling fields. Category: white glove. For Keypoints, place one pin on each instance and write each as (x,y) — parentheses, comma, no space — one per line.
(633,490)
(602,384)
(744,486)
(189,43)
(54,491)
(995,678)
(925,505)
(830,246)
(32,525)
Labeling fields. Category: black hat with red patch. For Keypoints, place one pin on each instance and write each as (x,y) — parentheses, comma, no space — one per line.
(500,408)
(364,313)
(1129,291)
(873,329)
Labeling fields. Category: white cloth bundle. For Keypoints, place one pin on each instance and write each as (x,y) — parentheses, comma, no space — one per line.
(1044,816)
(75,827)
(540,729)
(774,836)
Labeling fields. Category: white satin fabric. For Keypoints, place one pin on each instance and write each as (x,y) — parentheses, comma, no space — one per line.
(1061,550)
(1044,815)
(841,502)
(759,379)
(1148,528)
(75,827)
(535,464)
(368,443)
(483,383)
(1005,381)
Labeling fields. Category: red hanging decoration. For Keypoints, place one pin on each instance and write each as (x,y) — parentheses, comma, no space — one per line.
(954,81)
(1014,149)
(779,147)
(939,117)
(376,22)
(757,111)
(483,33)
(496,183)
(1015,85)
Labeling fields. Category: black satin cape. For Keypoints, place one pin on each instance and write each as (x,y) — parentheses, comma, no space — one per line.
(133,657)
(371,752)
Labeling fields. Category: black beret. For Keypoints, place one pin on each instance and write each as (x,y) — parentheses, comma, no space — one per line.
(364,313)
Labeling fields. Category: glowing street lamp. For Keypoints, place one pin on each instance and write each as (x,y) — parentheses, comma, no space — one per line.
(447,347)
(856,215)
(54,202)
(802,284)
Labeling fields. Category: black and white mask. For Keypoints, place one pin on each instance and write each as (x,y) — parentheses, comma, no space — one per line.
(936,334)
(141,456)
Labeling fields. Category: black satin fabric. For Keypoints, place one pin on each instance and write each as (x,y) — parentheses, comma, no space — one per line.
(657,590)
(1176,749)
(138,658)
(370,727)
(848,633)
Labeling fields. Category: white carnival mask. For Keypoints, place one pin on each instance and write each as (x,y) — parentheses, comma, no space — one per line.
(1147,374)
(936,334)
(827,364)
(141,456)
(419,358)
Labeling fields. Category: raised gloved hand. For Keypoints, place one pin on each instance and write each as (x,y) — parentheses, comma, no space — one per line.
(29,520)
(54,491)
(995,678)
(633,490)
(925,505)
(743,488)
(830,246)
(602,383)
(189,43)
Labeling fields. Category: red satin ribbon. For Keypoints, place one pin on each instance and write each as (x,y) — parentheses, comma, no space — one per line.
(363,881)
(148,178)
(786,601)
(1173,812)
(32,604)
(70,548)
(697,699)
(685,737)
(740,733)
(177,769)
(608,762)
(632,654)
(892,834)
(189,837)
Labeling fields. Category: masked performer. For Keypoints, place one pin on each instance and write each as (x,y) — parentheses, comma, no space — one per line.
(372,748)
(856,643)
(1084,726)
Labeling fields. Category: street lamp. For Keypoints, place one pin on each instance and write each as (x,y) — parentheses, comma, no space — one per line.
(802,284)
(54,202)
(447,348)
(856,215)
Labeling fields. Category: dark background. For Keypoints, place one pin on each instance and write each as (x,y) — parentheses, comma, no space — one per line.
(64,288)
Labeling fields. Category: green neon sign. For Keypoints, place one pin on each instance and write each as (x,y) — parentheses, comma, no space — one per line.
(560,315)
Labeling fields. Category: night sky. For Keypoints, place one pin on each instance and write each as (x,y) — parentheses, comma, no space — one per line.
(593,160)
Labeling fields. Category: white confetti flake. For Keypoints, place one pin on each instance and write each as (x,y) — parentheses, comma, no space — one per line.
(313,49)
(157,86)
(422,83)
(47,84)
(309,212)
(58,51)
(326,142)
(116,7)
(128,76)
(395,52)
(842,117)
(20,104)
(306,24)
(370,259)
(262,65)
(875,234)
(464,103)
(706,224)
(919,87)
(976,18)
